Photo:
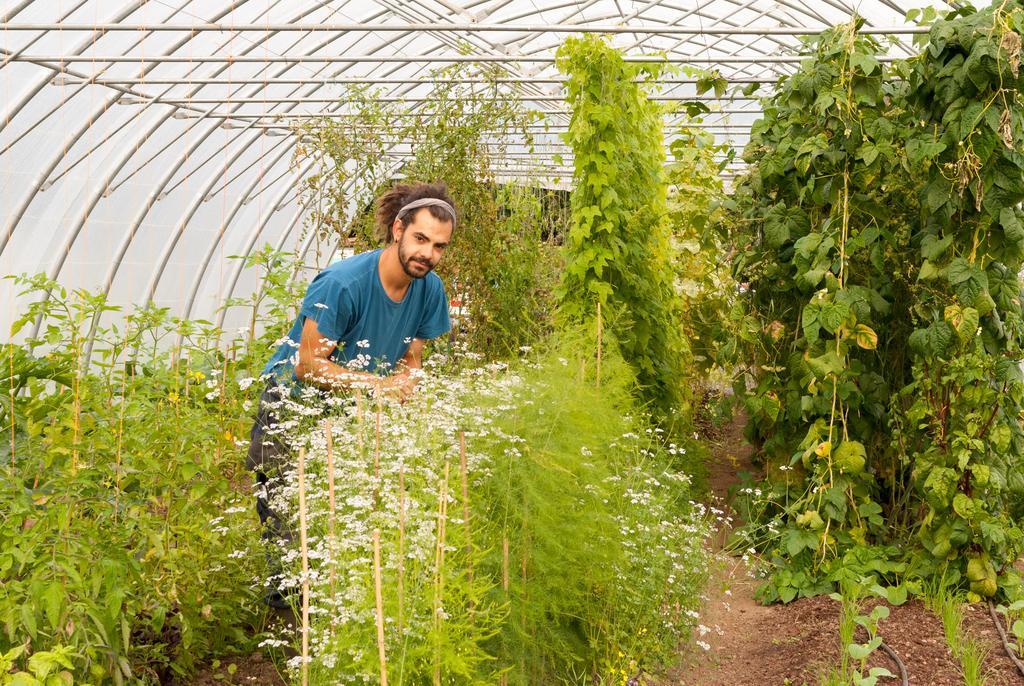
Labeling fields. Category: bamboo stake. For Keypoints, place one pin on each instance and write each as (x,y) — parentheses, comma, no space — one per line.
(304,546)
(331,509)
(599,333)
(376,446)
(442,511)
(504,565)
(465,504)
(503,678)
(361,414)
(380,609)
(401,547)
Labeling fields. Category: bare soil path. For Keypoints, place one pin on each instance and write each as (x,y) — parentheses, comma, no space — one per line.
(747,644)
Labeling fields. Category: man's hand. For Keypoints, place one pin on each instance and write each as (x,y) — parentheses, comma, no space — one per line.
(400,386)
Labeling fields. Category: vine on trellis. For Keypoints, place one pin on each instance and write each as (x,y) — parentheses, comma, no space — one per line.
(885,244)
(618,249)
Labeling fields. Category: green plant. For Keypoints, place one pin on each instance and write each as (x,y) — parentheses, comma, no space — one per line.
(967,650)
(857,673)
(126,535)
(881,257)
(619,252)
(565,548)
(45,667)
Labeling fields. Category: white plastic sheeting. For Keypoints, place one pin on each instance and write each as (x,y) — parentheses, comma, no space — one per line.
(142,143)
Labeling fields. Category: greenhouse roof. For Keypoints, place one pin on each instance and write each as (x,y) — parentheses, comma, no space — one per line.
(144,143)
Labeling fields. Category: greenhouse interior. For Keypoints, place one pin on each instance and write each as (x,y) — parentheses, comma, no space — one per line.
(512,342)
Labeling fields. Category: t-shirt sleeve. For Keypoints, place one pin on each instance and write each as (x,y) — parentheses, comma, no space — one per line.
(329,304)
(435,321)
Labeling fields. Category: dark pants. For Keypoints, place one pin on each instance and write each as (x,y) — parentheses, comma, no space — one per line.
(267,458)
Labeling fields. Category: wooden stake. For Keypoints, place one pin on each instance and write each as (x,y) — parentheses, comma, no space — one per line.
(380,609)
(376,446)
(599,332)
(442,513)
(465,504)
(504,564)
(361,414)
(401,548)
(331,509)
(304,547)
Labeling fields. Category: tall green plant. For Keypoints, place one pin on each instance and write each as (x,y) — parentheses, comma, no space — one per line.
(963,429)
(618,249)
(883,284)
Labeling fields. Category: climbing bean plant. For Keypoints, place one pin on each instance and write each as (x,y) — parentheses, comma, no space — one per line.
(882,244)
(618,248)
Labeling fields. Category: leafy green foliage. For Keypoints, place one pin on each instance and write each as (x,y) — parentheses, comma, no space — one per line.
(882,257)
(127,537)
(618,250)
(571,554)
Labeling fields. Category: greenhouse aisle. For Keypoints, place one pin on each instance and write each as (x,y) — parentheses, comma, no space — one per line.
(741,642)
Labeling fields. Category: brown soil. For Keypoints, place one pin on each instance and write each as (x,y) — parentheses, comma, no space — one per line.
(795,644)
(252,670)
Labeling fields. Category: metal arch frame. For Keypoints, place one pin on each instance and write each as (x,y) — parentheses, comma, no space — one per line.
(98,192)
(132,233)
(250,243)
(41,82)
(151,205)
(650,5)
(155,100)
(69,142)
(447,27)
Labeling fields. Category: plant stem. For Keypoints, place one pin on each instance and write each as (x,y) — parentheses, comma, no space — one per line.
(599,334)
(465,504)
(331,508)
(401,548)
(304,548)
(380,608)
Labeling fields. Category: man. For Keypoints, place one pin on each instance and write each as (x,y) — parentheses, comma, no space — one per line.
(362,324)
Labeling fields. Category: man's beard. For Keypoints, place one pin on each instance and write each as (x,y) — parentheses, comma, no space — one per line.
(409,264)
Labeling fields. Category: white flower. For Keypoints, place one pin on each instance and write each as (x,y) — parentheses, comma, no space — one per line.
(246,382)
(365,343)
(320,305)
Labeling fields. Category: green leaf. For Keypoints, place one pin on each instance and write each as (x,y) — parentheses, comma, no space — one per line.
(959,271)
(829,364)
(859,651)
(1011,224)
(53,602)
(928,271)
(865,337)
(932,247)
(865,62)
(850,457)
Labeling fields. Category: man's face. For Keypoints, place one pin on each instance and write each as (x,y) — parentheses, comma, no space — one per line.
(422,243)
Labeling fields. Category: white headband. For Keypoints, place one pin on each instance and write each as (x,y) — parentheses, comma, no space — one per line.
(427,202)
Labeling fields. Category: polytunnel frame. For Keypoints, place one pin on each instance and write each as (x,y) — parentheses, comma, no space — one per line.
(290,62)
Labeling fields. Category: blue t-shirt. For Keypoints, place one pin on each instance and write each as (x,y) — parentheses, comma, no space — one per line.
(373,332)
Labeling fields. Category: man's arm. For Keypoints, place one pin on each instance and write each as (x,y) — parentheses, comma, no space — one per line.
(316,368)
